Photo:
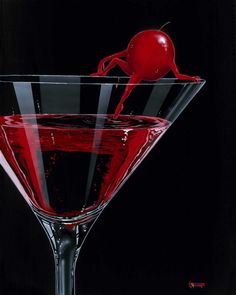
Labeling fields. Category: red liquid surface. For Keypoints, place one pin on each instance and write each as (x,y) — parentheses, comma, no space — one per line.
(67,165)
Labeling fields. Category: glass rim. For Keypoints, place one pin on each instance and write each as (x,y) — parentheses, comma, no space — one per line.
(25,79)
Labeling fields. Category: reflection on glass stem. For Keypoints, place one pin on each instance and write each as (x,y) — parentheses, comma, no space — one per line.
(66,241)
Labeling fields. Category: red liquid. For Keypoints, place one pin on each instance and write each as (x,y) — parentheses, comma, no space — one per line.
(70,164)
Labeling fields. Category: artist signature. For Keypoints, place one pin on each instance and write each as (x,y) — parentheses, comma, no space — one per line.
(193,285)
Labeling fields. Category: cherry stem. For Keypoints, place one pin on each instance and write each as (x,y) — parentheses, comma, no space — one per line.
(165,24)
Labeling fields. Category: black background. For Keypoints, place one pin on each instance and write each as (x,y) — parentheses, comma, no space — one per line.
(175,219)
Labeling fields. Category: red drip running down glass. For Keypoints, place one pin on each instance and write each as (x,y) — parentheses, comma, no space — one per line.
(68,155)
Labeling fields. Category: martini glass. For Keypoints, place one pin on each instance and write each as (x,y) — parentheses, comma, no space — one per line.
(68,156)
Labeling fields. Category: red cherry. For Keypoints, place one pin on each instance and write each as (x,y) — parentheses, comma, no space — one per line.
(150,55)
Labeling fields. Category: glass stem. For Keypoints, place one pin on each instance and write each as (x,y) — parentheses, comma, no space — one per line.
(66,241)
